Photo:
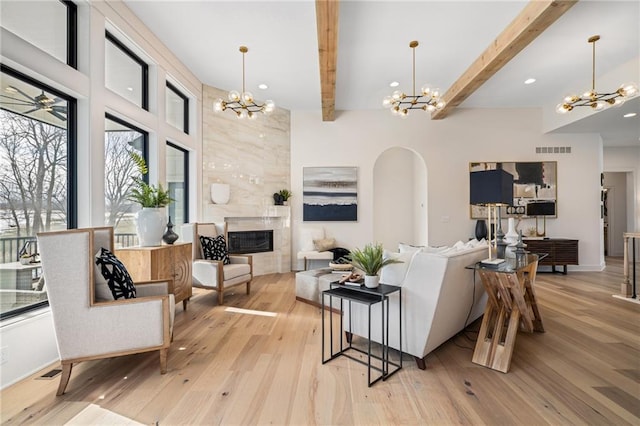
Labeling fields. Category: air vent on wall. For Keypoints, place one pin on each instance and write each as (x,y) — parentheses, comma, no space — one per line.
(553,150)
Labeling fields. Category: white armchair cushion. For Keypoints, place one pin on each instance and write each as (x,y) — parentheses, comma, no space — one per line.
(114,272)
(324,244)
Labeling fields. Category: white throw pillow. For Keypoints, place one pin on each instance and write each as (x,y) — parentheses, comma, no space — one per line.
(394,273)
(408,248)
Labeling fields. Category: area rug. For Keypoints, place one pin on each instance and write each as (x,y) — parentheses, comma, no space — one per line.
(96,415)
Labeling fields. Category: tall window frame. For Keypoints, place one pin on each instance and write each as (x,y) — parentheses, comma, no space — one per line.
(144,67)
(71,166)
(185,105)
(185,188)
(123,239)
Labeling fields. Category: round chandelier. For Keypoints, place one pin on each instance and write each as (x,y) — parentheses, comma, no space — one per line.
(593,99)
(242,103)
(428,100)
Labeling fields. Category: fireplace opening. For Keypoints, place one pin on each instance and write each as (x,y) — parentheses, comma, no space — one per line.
(243,242)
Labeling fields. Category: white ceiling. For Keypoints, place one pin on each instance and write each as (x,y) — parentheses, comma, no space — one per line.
(373,50)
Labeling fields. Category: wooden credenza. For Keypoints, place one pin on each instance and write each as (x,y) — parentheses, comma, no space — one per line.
(161,262)
(560,252)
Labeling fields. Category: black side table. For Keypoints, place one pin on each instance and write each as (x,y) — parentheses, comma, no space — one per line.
(369,297)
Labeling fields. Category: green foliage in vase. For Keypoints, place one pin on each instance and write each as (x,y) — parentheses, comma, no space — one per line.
(285,194)
(370,259)
(144,194)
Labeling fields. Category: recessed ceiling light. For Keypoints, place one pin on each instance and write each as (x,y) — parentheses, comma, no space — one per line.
(628,115)
(10,89)
(394,84)
(130,89)
(263,86)
(530,80)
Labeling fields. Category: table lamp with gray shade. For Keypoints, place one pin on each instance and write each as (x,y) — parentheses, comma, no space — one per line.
(492,188)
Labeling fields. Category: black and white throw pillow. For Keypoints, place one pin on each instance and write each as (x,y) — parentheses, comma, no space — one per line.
(215,248)
(116,275)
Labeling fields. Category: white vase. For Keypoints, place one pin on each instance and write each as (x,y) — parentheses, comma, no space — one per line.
(220,193)
(150,225)
(371,281)
(511,236)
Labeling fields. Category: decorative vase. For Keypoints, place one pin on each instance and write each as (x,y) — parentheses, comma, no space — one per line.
(481,229)
(220,193)
(170,237)
(371,281)
(278,199)
(150,224)
(511,236)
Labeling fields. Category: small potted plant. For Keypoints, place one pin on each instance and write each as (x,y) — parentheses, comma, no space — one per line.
(151,219)
(370,261)
(281,197)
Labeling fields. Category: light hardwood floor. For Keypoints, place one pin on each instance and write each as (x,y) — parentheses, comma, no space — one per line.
(238,368)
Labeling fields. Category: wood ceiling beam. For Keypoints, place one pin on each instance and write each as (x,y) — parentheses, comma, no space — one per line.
(327,21)
(536,17)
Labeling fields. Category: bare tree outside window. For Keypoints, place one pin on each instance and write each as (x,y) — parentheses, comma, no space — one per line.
(33,174)
(120,171)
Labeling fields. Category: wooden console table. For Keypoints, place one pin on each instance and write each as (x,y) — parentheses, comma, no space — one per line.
(559,251)
(511,305)
(162,262)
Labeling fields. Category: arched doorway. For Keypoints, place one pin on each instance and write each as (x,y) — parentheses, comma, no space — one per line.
(400,198)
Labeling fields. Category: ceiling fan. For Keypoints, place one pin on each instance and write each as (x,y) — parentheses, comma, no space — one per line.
(40,102)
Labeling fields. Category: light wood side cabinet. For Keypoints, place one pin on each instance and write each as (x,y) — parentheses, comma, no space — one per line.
(161,262)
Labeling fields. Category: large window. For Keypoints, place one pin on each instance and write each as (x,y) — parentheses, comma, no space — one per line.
(177,108)
(125,73)
(177,179)
(48,25)
(37,182)
(121,138)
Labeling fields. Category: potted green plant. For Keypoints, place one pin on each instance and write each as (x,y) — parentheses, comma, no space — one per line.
(151,220)
(370,261)
(281,197)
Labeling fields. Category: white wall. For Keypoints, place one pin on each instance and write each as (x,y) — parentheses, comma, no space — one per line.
(358,138)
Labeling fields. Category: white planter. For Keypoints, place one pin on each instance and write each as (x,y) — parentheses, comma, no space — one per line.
(150,225)
(371,281)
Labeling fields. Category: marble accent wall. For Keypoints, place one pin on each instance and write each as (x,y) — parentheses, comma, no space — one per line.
(254,158)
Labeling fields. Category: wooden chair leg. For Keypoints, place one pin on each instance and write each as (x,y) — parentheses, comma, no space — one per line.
(64,377)
(421,362)
(249,287)
(163,360)
(184,304)
(220,296)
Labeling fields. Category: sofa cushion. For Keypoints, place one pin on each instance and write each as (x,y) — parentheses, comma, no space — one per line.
(324,244)
(215,248)
(394,273)
(115,275)
(408,248)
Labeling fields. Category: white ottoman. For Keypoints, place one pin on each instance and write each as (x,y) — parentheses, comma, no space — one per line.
(310,284)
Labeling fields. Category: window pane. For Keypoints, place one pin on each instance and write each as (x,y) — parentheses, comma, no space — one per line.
(41,23)
(176,108)
(177,163)
(125,73)
(119,140)
(34,185)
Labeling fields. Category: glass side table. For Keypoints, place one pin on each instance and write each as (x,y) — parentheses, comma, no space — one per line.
(511,306)
(368,297)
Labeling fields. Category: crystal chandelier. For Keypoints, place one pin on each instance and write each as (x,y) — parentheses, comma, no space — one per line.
(596,100)
(400,103)
(243,104)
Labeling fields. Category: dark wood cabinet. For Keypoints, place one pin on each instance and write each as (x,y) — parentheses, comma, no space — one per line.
(560,252)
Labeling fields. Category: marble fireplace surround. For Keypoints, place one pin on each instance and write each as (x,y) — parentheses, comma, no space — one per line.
(259,218)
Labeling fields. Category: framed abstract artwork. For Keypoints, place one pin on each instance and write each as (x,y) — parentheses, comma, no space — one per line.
(535,189)
(330,194)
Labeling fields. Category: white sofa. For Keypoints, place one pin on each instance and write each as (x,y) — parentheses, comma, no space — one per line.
(439,298)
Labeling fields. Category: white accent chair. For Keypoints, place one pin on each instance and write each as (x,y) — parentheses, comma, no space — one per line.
(88,329)
(213,274)
(307,248)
